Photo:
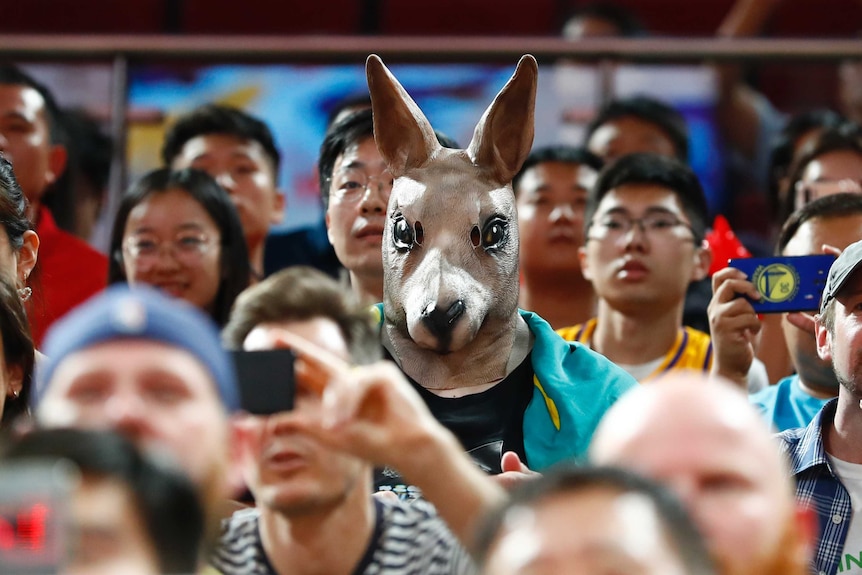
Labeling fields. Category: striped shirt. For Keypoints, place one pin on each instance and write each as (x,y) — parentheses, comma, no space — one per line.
(818,487)
(408,539)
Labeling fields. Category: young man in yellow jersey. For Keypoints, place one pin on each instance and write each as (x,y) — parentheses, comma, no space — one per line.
(646,219)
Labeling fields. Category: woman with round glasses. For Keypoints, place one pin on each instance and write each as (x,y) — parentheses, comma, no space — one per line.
(179,231)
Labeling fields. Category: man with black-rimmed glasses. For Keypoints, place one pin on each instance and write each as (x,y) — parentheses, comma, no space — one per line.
(646,220)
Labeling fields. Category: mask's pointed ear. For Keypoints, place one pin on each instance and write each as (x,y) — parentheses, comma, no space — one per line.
(404,137)
(504,136)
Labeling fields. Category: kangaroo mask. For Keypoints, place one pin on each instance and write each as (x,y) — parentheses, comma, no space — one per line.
(450,245)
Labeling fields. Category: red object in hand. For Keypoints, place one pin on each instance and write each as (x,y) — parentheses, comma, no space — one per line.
(724,245)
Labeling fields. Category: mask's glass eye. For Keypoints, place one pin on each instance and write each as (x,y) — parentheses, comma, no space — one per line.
(475,237)
(402,234)
(494,234)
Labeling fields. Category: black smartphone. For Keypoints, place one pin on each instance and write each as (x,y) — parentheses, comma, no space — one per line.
(786,283)
(266,380)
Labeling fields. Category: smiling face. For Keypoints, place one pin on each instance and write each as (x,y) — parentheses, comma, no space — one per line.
(551,198)
(243,169)
(172,243)
(354,221)
(630,269)
(287,470)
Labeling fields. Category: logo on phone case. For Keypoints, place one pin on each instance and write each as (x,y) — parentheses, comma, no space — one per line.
(776,282)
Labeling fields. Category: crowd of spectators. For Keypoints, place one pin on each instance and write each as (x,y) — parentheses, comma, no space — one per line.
(649,418)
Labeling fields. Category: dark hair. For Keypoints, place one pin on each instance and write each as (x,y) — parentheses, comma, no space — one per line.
(14,76)
(301,293)
(834,206)
(346,132)
(235,269)
(676,524)
(14,327)
(91,148)
(559,153)
(649,110)
(340,136)
(352,104)
(624,21)
(784,146)
(446,141)
(218,119)
(658,170)
(846,136)
(13,206)
(17,349)
(165,499)
(89,152)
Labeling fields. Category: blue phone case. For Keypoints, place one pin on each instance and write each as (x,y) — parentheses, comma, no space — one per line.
(792,283)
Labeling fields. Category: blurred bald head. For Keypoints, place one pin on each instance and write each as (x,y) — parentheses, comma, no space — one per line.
(707,443)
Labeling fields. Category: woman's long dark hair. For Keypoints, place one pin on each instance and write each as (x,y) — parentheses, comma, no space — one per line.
(14,327)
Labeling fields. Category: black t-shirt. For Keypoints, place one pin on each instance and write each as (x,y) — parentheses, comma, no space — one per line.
(487,424)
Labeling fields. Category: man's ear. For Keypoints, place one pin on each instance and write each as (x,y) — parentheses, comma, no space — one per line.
(702,261)
(824,339)
(279,201)
(27,256)
(582,258)
(57,159)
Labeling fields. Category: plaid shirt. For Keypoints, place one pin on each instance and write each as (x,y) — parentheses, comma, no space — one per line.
(818,487)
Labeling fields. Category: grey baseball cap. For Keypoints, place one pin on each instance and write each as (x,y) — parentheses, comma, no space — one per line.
(841,270)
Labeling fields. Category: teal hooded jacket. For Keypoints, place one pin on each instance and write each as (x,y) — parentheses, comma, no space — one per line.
(573,387)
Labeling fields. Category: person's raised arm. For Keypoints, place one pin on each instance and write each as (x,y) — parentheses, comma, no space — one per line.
(372,412)
(737,112)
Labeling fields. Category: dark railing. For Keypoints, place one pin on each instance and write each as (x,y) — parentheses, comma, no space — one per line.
(418,49)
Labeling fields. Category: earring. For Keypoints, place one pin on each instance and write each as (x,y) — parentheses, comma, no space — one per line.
(25,292)
(15,393)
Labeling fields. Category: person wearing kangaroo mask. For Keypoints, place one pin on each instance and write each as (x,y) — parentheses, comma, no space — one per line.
(500,379)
